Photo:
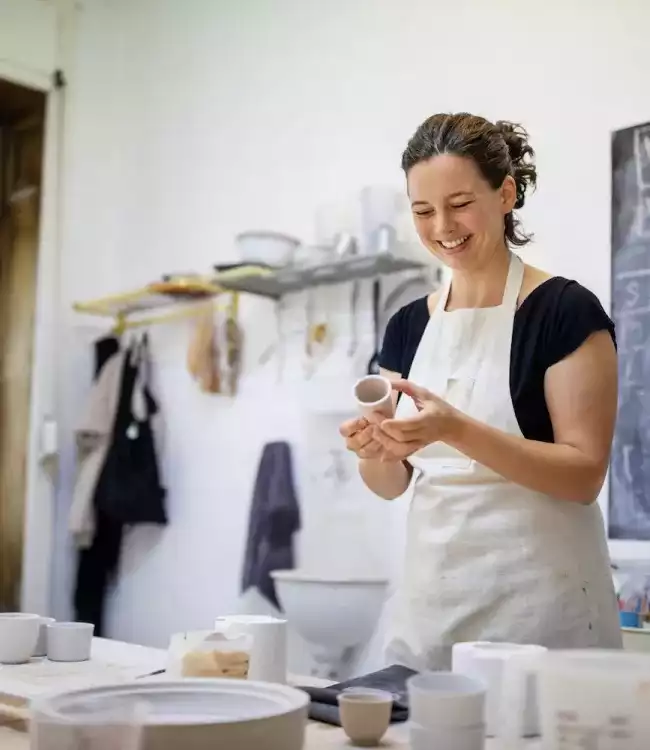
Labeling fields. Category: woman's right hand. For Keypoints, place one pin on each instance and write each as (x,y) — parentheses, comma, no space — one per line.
(358,434)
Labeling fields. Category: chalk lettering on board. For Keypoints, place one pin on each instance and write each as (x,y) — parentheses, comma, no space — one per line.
(642,156)
(632,294)
(641,273)
(627,468)
(630,333)
(634,311)
(642,161)
(634,364)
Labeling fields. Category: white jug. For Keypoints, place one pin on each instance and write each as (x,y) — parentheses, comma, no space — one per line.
(268,659)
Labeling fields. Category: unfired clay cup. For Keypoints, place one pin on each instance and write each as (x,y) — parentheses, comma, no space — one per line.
(374,393)
(365,714)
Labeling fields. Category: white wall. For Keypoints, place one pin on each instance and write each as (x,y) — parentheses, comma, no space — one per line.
(192,121)
(28,41)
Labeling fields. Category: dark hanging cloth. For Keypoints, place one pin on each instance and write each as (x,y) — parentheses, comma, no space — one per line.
(128,489)
(274,519)
(105,348)
(97,565)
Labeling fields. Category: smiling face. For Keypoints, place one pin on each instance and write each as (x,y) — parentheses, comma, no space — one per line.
(458,216)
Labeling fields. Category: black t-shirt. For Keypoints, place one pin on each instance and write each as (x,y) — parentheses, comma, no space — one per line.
(551,323)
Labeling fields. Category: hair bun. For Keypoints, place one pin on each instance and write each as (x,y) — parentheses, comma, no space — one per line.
(522,157)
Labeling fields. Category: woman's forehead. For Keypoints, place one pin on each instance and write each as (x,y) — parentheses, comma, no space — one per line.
(443,177)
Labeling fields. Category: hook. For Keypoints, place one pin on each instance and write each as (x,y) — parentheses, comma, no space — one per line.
(234,305)
(120,324)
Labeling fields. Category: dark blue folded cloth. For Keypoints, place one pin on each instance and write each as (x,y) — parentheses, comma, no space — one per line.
(274,519)
(324,701)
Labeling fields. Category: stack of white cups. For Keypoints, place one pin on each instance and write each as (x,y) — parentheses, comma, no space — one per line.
(487,661)
(446,711)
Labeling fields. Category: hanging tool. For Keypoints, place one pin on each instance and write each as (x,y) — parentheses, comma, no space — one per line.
(373,362)
(234,343)
(354,332)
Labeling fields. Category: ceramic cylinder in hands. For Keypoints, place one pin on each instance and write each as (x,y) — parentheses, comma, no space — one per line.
(374,394)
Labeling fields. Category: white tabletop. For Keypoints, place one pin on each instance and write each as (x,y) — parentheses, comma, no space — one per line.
(137,660)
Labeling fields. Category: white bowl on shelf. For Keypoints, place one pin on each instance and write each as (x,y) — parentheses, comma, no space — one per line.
(267,248)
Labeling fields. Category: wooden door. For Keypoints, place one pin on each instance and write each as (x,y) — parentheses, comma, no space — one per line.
(21,155)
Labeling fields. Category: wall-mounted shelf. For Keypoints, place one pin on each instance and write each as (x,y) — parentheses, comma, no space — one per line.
(275,284)
(150,297)
(256,280)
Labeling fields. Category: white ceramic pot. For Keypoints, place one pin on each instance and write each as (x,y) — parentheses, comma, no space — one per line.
(69,641)
(270,248)
(41,644)
(18,636)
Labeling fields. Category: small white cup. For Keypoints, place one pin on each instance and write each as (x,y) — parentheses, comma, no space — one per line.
(69,641)
(41,644)
(18,636)
(446,699)
(374,393)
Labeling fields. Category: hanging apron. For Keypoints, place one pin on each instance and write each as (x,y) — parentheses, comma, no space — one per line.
(487,559)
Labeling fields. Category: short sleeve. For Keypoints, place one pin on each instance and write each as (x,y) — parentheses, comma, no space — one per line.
(391,356)
(577,315)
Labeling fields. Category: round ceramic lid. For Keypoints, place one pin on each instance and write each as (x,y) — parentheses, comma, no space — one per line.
(214,701)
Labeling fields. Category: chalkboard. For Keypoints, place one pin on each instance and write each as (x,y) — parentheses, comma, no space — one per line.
(629,500)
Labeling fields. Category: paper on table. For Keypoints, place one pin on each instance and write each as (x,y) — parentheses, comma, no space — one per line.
(111,662)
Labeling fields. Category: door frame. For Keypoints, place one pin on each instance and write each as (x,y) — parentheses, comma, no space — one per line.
(40,479)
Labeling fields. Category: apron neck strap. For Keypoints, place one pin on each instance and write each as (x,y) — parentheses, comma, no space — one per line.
(513,282)
(510,293)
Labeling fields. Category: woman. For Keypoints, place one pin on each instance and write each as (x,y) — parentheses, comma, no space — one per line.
(504,424)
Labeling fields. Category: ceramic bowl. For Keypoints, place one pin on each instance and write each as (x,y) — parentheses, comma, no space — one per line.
(197,714)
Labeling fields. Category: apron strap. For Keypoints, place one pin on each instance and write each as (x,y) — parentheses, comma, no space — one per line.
(441,304)
(513,283)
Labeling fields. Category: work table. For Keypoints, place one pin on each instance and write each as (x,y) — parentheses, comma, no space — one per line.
(318,736)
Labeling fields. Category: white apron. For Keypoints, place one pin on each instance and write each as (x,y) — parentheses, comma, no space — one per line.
(487,559)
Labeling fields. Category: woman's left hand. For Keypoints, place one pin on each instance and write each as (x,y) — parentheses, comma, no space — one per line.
(434,422)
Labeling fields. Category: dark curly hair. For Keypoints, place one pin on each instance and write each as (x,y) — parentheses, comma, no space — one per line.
(498,150)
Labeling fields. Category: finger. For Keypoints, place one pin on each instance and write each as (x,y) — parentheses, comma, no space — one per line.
(404,429)
(372,450)
(395,447)
(360,439)
(352,426)
(376,417)
(415,392)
